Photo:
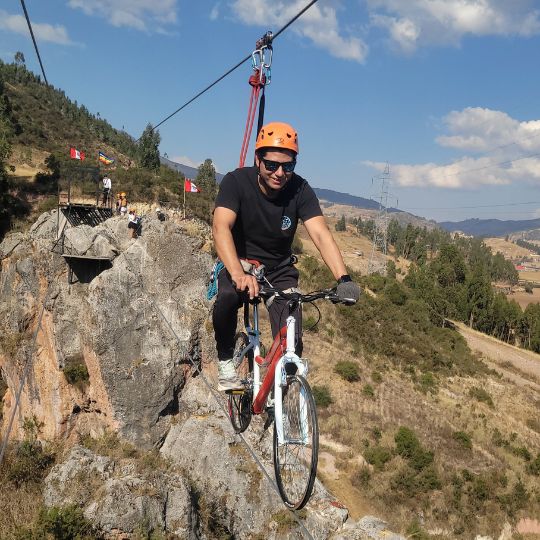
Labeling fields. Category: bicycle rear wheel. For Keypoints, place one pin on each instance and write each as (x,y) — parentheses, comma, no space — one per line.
(295,461)
(240,400)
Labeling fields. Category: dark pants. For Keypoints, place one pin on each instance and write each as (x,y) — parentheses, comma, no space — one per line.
(229,300)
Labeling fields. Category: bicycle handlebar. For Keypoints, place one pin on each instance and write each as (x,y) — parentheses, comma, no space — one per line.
(327,294)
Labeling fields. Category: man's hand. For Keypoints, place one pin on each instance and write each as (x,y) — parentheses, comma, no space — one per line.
(347,290)
(245,282)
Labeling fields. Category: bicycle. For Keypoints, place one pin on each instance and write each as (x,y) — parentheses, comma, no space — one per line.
(284,393)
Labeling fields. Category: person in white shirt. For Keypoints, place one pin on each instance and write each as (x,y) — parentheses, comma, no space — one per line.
(107,187)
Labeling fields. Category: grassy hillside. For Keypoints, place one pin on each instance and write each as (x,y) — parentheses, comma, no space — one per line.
(414,426)
(39,124)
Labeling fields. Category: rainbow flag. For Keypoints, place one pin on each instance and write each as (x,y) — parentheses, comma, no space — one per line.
(105,159)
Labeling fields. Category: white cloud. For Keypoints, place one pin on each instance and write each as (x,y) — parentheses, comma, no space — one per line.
(319,23)
(42,31)
(214,14)
(414,23)
(511,148)
(139,14)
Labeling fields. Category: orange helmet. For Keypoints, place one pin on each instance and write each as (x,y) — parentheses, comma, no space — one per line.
(277,135)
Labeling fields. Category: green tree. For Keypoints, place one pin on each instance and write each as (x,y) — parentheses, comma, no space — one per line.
(341,224)
(19,58)
(206,179)
(148,148)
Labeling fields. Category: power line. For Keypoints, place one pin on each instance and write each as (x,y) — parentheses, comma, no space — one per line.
(34,40)
(233,68)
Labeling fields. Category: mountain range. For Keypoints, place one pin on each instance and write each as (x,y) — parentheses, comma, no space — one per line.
(490,227)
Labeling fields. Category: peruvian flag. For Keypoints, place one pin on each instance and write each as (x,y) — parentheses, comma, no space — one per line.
(75,154)
(190,187)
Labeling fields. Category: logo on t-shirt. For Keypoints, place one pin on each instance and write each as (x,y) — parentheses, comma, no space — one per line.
(285,223)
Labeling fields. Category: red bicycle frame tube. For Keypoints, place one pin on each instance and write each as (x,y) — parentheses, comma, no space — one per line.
(274,354)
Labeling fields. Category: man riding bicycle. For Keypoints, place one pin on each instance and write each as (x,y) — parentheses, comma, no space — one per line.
(255,218)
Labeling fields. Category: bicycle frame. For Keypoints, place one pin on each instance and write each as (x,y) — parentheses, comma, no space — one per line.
(281,353)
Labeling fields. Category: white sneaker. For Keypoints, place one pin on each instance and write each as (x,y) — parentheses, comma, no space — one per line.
(227,377)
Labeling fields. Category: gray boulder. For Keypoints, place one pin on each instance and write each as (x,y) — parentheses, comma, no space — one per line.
(117,498)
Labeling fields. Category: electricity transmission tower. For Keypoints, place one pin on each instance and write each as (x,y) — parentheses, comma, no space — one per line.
(379,246)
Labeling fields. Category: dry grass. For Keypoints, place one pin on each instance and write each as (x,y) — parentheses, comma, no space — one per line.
(456,426)
(509,250)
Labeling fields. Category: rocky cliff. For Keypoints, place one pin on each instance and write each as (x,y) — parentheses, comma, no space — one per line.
(125,349)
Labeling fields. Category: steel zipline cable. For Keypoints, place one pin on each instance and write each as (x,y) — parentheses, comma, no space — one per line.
(280,31)
(35,43)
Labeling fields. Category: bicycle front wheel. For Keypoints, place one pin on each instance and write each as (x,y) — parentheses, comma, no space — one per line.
(295,459)
(240,400)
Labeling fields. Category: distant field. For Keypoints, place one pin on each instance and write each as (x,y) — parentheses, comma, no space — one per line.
(533,277)
(508,249)
(524,299)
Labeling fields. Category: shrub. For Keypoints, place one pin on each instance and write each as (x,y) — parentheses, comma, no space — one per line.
(65,524)
(428,383)
(396,293)
(322,396)
(408,446)
(309,324)
(414,530)
(377,456)
(515,500)
(534,466)
(361,477)
(522,452)
(347,370)
(29,463)
(481,395)
(368,391)
(377,377)
(462,438)
(76,374)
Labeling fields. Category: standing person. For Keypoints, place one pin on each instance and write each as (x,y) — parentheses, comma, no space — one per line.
(123,203)
(107,188)
(118,203)
(255,217)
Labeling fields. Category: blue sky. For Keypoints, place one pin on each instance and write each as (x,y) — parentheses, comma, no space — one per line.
(445,91)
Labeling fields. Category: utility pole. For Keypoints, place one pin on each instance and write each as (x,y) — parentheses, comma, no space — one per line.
(379,246)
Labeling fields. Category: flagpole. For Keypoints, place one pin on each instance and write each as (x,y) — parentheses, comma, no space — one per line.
(184,198)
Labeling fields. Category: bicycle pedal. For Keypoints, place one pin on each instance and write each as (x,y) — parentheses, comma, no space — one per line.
(269,418)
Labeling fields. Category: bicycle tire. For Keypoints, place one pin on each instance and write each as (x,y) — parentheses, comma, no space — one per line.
(240,410)
(295,462)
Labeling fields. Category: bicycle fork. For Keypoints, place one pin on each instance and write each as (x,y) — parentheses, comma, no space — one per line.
(284,434)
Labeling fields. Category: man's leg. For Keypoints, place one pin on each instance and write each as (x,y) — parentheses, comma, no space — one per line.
(278,311)
(224,319)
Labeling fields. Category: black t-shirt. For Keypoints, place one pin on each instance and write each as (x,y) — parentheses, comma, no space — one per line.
(264,228)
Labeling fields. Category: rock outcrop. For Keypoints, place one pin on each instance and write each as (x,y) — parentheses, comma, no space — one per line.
(134,327)
(122,351)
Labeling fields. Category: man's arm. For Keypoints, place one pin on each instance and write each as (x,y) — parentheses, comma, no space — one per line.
(224,220)
(325,243)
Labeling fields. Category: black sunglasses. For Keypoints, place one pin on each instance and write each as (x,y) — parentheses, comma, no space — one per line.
(273,166)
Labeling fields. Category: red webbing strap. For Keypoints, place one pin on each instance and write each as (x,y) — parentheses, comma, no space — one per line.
(256,83)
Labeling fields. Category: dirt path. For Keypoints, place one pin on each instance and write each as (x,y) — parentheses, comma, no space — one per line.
(526,362)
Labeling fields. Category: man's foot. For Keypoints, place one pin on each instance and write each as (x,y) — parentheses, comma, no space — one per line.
(228,379)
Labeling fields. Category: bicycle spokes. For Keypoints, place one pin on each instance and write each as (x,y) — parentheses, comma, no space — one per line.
(296,456)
